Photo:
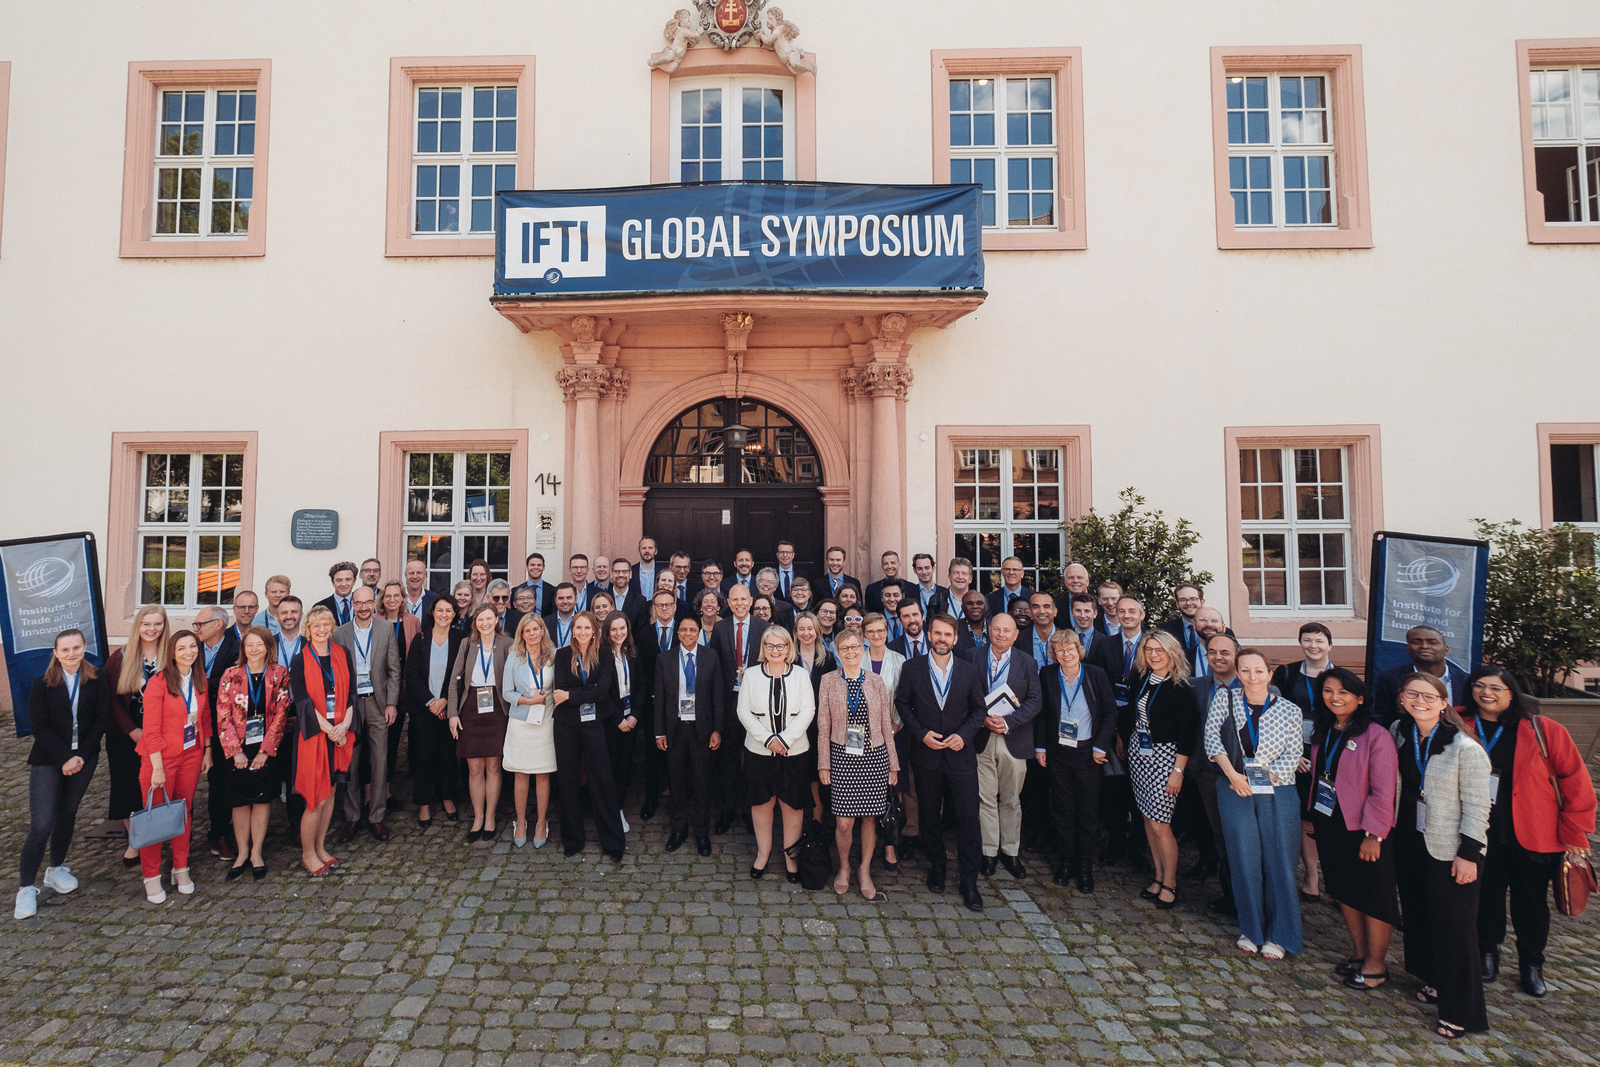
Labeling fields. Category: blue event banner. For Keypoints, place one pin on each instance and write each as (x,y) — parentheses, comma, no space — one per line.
(47,584)
(1417,580)
(724,236)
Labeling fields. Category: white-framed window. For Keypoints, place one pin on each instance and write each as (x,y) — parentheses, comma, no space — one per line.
(1280,150)
(192,504)
(1003,137)
(1008,503)
(1575,485)
(465,151)
(733,129)
(205,167)
(458,509)
(1295,528)
(1566,142)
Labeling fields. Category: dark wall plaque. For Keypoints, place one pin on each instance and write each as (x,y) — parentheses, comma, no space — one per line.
(314,528)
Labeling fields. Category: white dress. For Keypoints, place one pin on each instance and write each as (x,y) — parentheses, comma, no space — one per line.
(530,748)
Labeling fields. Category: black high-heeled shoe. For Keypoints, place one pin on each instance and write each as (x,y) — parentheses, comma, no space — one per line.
(1167,905)
(473,835)
(235,873)
(758,872)
(453,816)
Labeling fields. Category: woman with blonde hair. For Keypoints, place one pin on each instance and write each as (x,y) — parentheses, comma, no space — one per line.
(322,680)
(130,669)
(478,715)
(1157,729)
(775,707)
(530,747)
(856,757)
(584,680)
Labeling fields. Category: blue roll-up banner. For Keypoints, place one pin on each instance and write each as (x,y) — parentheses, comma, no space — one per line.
(1442,582)
(50,584)
(722,236)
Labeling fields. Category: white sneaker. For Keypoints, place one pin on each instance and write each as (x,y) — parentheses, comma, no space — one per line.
(60,879)
(153,891)
(27,903)
(1245,944)
(1271,951)
(182,881)
(625,827)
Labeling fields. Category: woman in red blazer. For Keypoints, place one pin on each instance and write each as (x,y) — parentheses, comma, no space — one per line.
(1528,829)
(253,702)
(176,751)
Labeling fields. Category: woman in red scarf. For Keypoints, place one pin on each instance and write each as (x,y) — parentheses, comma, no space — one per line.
(320,677)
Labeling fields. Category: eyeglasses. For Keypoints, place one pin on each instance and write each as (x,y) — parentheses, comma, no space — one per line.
(1491,690)
(500,599)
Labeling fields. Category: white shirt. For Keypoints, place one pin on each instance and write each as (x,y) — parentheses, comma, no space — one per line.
(941,678)
(415,606)
(363,659)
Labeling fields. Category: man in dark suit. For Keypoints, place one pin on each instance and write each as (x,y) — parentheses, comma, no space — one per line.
(1083,614)
(683,583)
(219,650)
(940,700)
(912,642)
(1005,745)
(499,594)
(973,629)
(926,591)
(829,584)
(634,605)
(544,594)
(1429,655)
(1075,582)
(1108,594)
(343,577)
(419,598)
(1207,622)
(891,595)
(375,692)
(787,571)
(955,596)
(655,638)
(889,564)
(737,640)
(710,578)
(767,586)
(647,570)
(1114,655)
(559,622)
(689,713)
(1011,587)
(1189,599)
(744,572)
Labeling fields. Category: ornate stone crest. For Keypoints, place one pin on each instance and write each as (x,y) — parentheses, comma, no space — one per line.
(730,23)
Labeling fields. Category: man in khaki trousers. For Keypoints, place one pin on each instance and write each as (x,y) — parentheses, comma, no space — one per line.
(1011,680)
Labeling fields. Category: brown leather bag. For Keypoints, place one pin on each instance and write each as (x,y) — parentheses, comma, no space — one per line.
(1576,878)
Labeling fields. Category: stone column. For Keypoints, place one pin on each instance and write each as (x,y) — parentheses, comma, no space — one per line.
(582,383)
(887,381)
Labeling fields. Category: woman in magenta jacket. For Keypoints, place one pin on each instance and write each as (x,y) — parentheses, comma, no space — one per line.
(1354,775)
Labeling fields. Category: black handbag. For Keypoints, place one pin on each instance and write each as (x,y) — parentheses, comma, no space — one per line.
(892,821)
(812,856)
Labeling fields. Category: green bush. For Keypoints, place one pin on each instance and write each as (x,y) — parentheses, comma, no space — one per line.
(1542,617)
(1136,548)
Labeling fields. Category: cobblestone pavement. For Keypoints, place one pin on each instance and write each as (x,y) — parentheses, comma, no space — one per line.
(426,951)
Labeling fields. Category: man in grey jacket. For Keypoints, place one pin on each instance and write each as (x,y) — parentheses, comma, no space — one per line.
(375,691)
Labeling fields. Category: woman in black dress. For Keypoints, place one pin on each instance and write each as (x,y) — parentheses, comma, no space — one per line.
(433,749)
(1351,810)
(130,669)
(583,682)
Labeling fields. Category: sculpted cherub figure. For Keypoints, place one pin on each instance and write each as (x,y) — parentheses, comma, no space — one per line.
(778,34)
(680,34)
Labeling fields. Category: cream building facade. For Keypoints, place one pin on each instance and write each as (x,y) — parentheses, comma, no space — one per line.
(1291,276)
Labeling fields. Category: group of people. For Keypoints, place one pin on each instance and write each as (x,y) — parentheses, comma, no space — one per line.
(773,696)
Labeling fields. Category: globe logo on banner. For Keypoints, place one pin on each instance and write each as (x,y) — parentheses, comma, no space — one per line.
(47,578)
(1429,575)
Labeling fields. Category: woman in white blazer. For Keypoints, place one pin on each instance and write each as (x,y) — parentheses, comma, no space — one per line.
(776,705)
(530,747)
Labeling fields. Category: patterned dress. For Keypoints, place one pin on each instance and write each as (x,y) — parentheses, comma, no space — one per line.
(1150,773)
(859,783)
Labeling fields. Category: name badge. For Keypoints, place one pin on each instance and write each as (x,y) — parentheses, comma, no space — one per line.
(331,716)
(855,741)
(1068,733)
(627,705)
(363,684)
(1144,744)
(1327,797)
(1121,690)
(1494,787)
(1260,780)
(255,731)
(485,699)
(191,734)
(1422,816)
(686,709)
(586,713)
(74,733)
(738,679)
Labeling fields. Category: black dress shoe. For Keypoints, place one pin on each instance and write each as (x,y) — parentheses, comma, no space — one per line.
(1533,980)
(971,898)
(235,873)
(473,835)
(379,831)
(675,840)
(614,856)
(936,881)
(1014,865)
(258,873)
(648,810)
(989,865)
(1491,963)
(724,821)
(793,876)
(1062,876)
(1086,878)
(702,845)
(348,834)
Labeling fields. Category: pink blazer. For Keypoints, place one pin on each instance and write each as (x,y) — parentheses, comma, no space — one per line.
(1366,781)
(833,713)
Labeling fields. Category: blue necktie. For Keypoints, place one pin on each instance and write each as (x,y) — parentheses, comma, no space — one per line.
(344,610)
(688,672)
(666,638)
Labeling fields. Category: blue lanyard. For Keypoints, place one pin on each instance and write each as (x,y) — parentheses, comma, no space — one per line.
(949,677)
(286,652)
(583,675)
(1070,697)
(1252,720)
(1003,667)
(1146,687)
(1420,753)
(1488,745)
(327,668)
(485,664)
(258,689)
(366,653)
(1332,751)
(188,696)
(74,682)
(1311,698)
(853,694)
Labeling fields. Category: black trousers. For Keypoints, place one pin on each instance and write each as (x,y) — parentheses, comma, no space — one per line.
(434,765)
(218,810)
(1528,876)
(395,732)
(1074,802)
(581,746)
(728,764)
(1116,812)
(53,800)
(1038,829)
(1206,782)
(689,772)
(1441,932)
(620,745)
(962,780)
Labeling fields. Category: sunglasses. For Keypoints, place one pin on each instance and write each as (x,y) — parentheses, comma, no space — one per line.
(500,599)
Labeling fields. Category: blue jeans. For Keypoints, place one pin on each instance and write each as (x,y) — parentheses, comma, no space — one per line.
(1263,836)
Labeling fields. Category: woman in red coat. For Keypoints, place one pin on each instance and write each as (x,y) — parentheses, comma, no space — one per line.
(176,751)
(1528,828)
(253,702)
(320,679)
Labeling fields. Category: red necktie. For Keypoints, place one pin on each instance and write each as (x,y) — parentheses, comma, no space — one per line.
(738,644)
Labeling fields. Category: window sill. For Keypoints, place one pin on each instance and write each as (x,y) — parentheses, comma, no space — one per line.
(1023,241)
(1233,238)
(440,246)
(1563,233)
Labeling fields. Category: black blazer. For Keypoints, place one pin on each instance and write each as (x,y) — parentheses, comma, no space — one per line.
(599,690)
(1000,600)
(646,641)
(1173,717)
(414,694)
(634,606)
(544,596)
(962,713)
(822,586)
(1097,693)
(733,579)
(637,586)
(874,594)
(722,640)
(307,704)
(50,717)
(782,612)
(1106,653)
(227,656)
(1022,675)
(795,572)
(901,645)
(708,687)
(613,709)
(331,602)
